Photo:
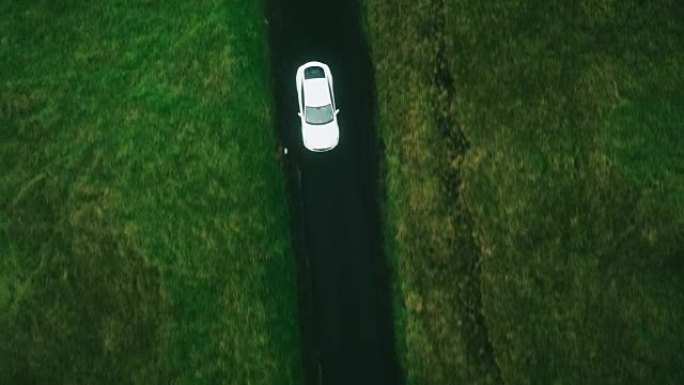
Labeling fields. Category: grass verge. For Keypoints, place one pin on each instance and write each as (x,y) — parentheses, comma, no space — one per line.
(534,184)
(143,222)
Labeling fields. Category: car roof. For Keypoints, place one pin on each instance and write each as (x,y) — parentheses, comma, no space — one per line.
(316,92)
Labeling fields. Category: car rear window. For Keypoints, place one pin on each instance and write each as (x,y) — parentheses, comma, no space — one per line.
(314,73)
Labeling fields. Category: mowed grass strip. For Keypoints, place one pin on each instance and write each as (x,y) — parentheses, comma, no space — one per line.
(440,331)
(570,190)
(143,222)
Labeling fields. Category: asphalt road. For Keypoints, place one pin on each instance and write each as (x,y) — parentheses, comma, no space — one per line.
(345,298)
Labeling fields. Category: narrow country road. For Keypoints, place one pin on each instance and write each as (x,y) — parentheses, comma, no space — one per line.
(347,315)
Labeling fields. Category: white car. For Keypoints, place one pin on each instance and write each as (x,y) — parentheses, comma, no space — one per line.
(317,109)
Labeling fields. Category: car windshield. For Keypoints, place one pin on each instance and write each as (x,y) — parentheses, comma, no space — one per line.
(319,115)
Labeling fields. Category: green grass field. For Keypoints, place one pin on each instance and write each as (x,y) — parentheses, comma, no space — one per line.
(143,220)
(535,188)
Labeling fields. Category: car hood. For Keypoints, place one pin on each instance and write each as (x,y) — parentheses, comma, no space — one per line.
(321,137)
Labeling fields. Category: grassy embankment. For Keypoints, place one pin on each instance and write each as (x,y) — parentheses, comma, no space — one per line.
(550,248)
(143,228)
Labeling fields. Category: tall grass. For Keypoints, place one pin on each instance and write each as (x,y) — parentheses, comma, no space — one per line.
(143,234)
(570,191)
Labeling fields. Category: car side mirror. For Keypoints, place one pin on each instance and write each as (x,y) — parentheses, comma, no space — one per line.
(337,111)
